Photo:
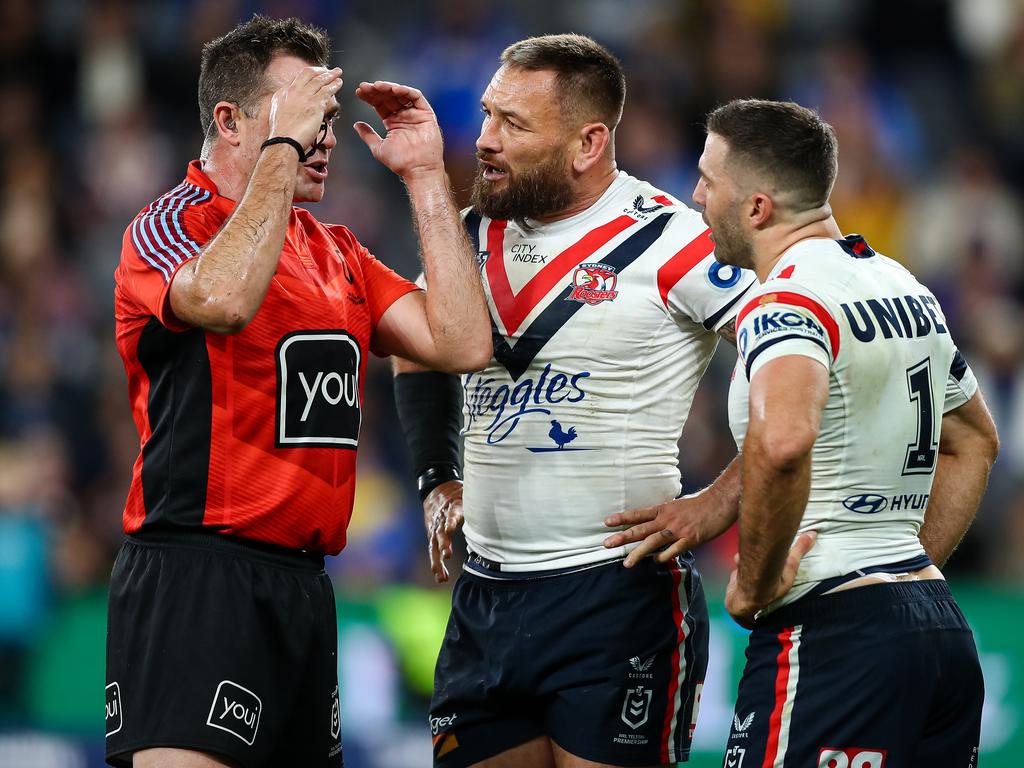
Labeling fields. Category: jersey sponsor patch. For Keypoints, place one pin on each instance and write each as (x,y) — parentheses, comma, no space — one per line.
(318,390)
(114,713)
(501,406)
(772,323)
(723,275)
(236,710)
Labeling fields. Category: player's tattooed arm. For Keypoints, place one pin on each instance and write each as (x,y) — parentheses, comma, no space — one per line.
(728,331)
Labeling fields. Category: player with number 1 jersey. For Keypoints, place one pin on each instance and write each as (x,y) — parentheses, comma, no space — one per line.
(894,370)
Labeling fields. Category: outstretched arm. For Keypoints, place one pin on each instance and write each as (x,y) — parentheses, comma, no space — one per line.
(446,329)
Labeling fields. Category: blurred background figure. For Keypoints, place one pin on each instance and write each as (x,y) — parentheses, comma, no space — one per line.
(98,114)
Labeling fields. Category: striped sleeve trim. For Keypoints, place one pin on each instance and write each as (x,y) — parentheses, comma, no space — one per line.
(159,233)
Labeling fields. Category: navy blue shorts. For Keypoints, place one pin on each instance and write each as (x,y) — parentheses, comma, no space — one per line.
(606,661)
(882,676)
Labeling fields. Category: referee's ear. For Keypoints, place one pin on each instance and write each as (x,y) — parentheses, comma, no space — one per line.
(595,140)
(225,117)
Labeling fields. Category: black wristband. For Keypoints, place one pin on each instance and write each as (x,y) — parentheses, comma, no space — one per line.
(429,408)
(435,476)
(286,140)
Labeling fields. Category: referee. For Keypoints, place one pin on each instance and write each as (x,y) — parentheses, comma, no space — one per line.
(244,325)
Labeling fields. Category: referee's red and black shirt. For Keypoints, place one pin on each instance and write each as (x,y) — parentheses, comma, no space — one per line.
(252,434)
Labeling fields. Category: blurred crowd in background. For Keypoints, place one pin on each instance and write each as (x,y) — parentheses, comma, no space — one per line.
(98,116)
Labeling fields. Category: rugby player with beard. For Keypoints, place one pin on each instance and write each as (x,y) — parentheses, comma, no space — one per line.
(606,304)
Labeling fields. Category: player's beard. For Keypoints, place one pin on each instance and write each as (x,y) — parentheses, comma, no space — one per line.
(540,190)
(732,247)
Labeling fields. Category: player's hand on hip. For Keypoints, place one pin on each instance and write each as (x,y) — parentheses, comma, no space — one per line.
(442,515)
(741,607)
(297,110)
(412,143)
(665,530)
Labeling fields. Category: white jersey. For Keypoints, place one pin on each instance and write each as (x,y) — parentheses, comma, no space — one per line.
(893,372)
(603,325)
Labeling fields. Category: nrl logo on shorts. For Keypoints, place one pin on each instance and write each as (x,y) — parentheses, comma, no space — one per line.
(636,706)
(593,283)
(734,757)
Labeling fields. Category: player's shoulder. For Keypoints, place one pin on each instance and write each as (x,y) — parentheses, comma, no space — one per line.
(642,198)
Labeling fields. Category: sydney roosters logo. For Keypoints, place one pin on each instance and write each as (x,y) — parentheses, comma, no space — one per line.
(593,283)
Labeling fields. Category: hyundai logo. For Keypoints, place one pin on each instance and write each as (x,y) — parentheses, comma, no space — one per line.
(866,503)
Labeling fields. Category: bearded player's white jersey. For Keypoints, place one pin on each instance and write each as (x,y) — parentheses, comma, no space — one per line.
(893,372)
(603,325)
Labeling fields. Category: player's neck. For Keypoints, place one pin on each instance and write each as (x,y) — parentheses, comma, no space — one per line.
(588,191)
(772,243)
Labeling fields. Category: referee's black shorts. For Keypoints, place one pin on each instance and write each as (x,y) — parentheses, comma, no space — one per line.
(222,646)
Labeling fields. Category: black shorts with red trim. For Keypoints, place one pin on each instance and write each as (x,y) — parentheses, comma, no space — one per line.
(881,676)
(224,646)
(606,661)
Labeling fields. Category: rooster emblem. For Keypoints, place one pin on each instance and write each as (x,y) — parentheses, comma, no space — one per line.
(560,436)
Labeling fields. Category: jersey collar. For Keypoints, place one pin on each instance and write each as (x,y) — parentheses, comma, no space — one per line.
(196,177)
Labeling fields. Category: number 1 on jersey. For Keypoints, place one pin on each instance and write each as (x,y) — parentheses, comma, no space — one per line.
(921,453)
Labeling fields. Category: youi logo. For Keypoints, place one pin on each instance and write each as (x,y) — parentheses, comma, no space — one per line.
(499,407)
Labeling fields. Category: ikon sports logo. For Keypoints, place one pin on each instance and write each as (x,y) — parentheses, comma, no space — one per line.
(636,706)
(593,283)
(831,757)
(115,714)
(236,710)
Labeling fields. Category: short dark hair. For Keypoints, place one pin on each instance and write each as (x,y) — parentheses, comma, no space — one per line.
(589,78)
(234,65)
(789,143)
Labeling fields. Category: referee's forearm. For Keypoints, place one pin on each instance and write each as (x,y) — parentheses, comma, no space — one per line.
(226,284)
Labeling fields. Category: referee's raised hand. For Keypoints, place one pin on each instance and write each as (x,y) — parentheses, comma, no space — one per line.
(297,110)
(442,515)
